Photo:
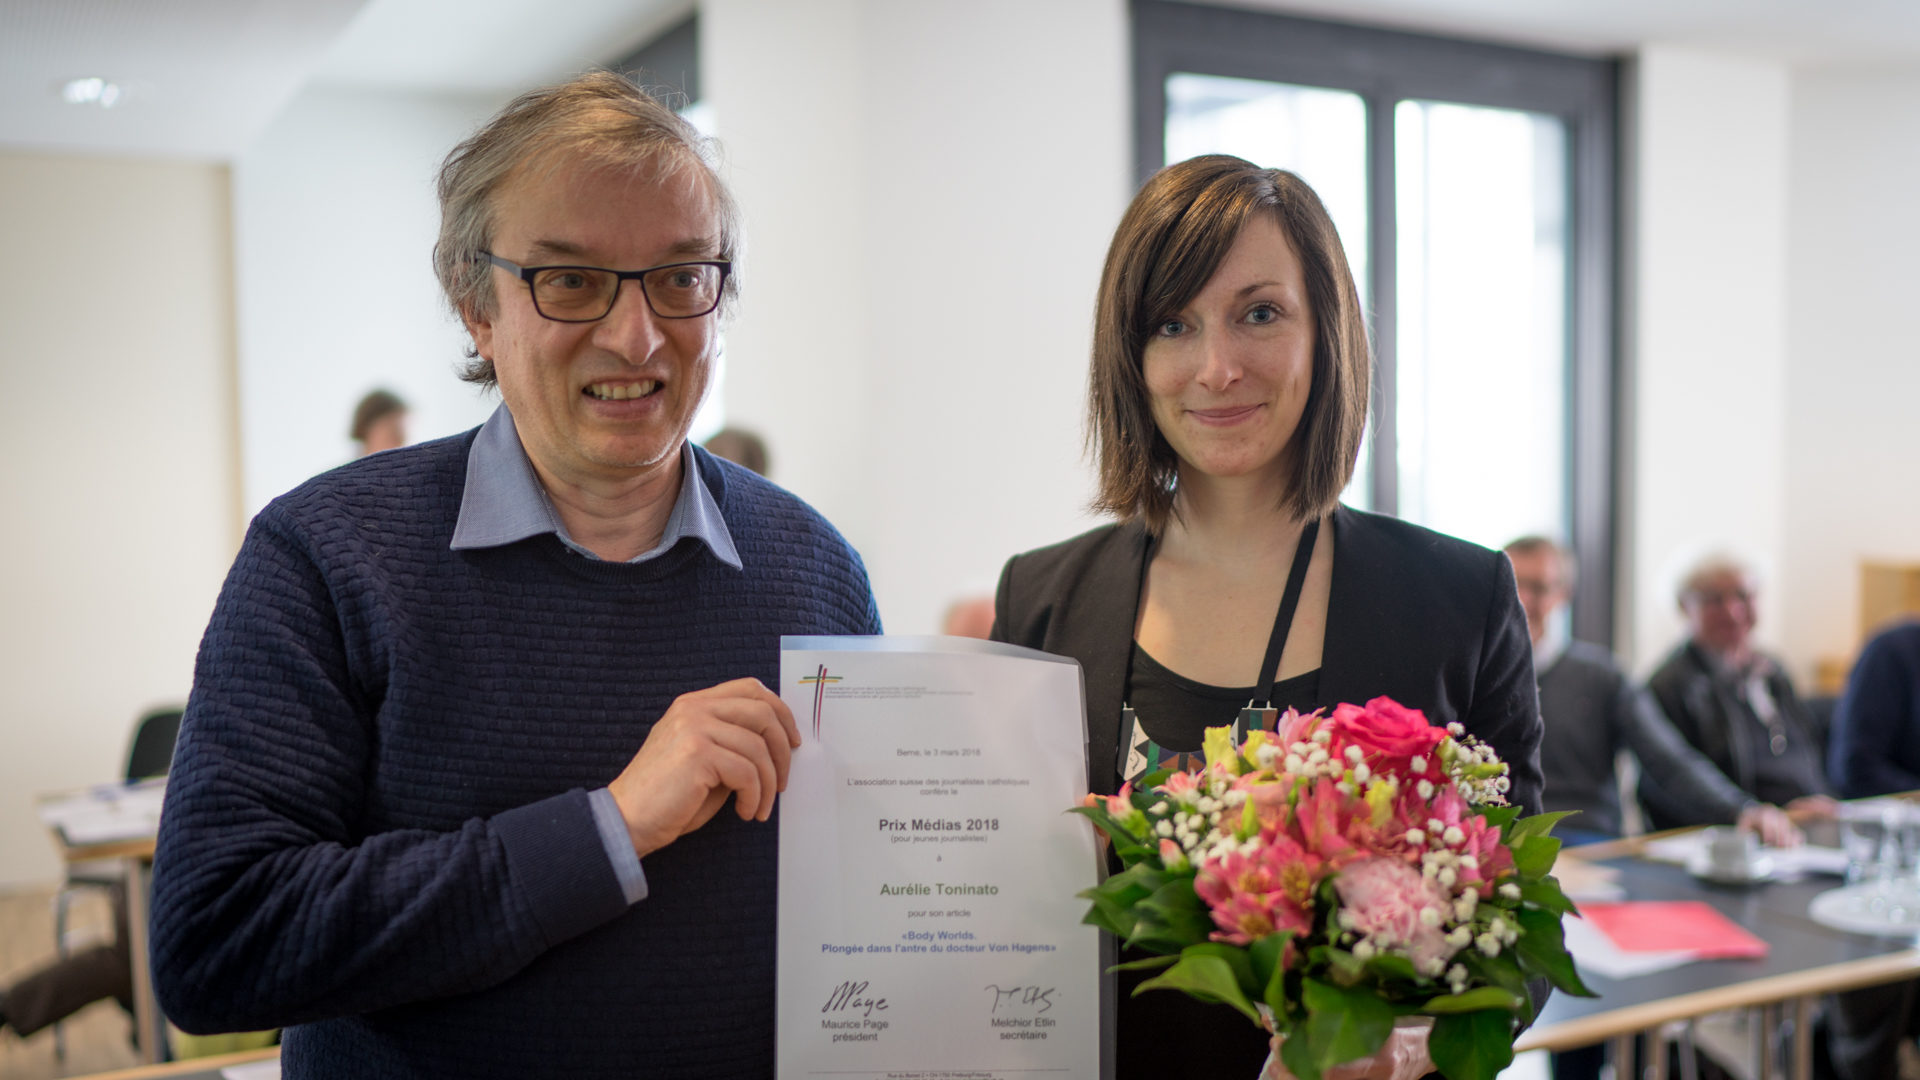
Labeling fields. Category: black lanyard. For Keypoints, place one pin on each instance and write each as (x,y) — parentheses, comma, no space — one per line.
(1139,755)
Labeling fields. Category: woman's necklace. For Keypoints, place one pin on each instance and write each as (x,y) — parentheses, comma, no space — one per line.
(1140,755)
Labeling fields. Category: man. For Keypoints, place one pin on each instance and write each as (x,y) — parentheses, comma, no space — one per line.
(1876,728)
(1733,703)
(379,423)
(449,794)
(1591,712)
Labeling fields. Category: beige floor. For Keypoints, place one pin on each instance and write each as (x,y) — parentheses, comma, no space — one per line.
(98,1036)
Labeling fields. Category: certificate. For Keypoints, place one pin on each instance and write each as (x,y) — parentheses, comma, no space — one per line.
(928,923)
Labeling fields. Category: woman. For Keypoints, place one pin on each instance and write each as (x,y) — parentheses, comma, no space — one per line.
(1227,399)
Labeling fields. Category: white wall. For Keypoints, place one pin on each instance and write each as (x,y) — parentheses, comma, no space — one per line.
(334,220)
(1705,461)
(117,426)
(929,190)
(1853,428)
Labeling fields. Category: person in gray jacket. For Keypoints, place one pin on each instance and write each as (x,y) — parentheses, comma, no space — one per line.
(1591,711)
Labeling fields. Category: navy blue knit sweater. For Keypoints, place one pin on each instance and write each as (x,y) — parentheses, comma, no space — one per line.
(376,825)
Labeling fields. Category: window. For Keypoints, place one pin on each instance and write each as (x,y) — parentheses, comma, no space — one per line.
(1472,187)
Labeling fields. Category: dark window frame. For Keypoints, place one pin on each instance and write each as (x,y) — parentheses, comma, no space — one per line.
(1385,67)
(669,64)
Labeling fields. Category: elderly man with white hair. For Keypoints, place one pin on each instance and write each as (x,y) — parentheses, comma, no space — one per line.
(1735,703)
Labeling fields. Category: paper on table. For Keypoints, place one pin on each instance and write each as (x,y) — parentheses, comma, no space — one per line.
(1667,925)
(1594,952)
(106,813)
(1583,881)
(253,1070)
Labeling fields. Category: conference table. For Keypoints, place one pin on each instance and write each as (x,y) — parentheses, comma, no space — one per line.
(118,823)
(1805,959)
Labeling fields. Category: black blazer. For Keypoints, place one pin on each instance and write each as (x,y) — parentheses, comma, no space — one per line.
(1430,621)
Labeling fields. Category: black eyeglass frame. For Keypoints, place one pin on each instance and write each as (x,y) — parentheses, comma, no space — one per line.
(526,274)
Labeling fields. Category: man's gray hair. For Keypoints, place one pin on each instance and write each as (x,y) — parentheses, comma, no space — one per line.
(1537,544)
(600,119)
(1710,566)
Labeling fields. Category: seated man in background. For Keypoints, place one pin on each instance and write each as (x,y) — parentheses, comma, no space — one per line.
(1875,746)
(1734,703)
(450,797)
(1591,712)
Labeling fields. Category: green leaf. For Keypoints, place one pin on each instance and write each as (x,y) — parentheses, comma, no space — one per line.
(1172,918)
(1127,844)
(1266,954)
(1546,893)
(1544,951)
(1148,964)
(1114,899)
(1498,815)
(1533,856)
(1537,825)
(1342,1025)
(1236,959)
(1298,1057)
(1472,1045)
(1501,972)
(1206,977)
(1347,968)
(1484,997)
(1392,966)
(1130,886)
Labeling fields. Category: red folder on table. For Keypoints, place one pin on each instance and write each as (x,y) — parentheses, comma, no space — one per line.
(1662,925)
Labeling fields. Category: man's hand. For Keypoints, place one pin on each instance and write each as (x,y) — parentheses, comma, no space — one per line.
(1776,829)
(733,739)
(1403,1057)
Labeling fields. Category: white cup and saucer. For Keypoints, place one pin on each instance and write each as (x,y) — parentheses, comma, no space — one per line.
(1731,856)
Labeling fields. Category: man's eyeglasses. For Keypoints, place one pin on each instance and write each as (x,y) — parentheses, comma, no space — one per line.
(574,294)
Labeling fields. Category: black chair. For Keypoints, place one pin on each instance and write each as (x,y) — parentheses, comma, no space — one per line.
(150,755)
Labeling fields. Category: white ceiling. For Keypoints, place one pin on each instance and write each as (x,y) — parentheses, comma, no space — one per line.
(203,77)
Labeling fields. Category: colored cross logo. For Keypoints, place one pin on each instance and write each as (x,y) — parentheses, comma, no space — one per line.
(819,679)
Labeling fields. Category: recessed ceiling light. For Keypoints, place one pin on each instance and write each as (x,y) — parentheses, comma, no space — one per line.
(92,91)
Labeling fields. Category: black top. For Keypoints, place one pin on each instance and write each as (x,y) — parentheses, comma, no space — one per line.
(1428,620)
(1176,711)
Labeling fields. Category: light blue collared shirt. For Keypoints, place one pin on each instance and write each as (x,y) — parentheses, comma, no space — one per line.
(503,502)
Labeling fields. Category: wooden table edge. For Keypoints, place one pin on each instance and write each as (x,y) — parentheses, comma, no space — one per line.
(140,848)
(187,1067)
(1852,974)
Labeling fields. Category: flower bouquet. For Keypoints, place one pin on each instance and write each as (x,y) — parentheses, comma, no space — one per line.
(1336,874)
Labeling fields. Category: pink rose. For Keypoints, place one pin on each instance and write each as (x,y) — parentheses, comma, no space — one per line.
(1389,736)
(1385,897)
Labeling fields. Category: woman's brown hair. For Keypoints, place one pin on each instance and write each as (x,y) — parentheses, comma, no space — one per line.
(1171,240)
